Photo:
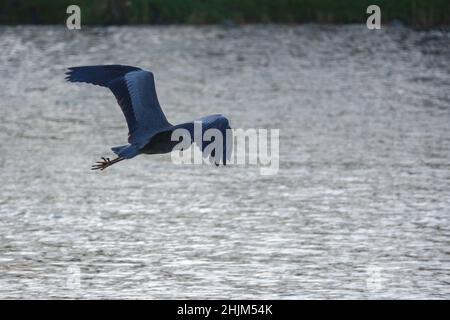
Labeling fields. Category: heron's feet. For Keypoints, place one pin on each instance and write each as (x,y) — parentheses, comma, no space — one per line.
(102,165)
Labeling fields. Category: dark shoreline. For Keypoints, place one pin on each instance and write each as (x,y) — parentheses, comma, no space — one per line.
(416,13)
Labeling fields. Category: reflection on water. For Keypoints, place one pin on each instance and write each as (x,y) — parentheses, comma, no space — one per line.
(359,208)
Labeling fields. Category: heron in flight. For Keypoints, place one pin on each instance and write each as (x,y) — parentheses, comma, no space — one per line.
(149,131)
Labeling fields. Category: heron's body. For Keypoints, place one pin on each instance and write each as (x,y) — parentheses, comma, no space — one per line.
(149,130)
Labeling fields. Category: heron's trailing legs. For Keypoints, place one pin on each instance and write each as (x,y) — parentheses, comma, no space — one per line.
(102,165)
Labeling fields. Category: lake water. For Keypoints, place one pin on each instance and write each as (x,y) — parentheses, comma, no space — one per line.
(360,207)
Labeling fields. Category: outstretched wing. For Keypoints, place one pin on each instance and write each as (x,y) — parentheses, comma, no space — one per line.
(135,92)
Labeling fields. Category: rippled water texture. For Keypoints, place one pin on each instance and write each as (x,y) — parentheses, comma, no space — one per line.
(359,208)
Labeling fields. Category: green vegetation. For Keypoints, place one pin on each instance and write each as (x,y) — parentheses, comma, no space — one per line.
(412,12)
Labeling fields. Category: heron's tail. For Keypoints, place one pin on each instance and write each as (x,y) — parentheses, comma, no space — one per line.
(127,151)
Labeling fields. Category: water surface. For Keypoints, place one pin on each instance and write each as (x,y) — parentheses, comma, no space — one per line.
(359,208)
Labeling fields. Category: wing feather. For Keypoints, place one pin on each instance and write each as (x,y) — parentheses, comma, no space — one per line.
(135,93)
